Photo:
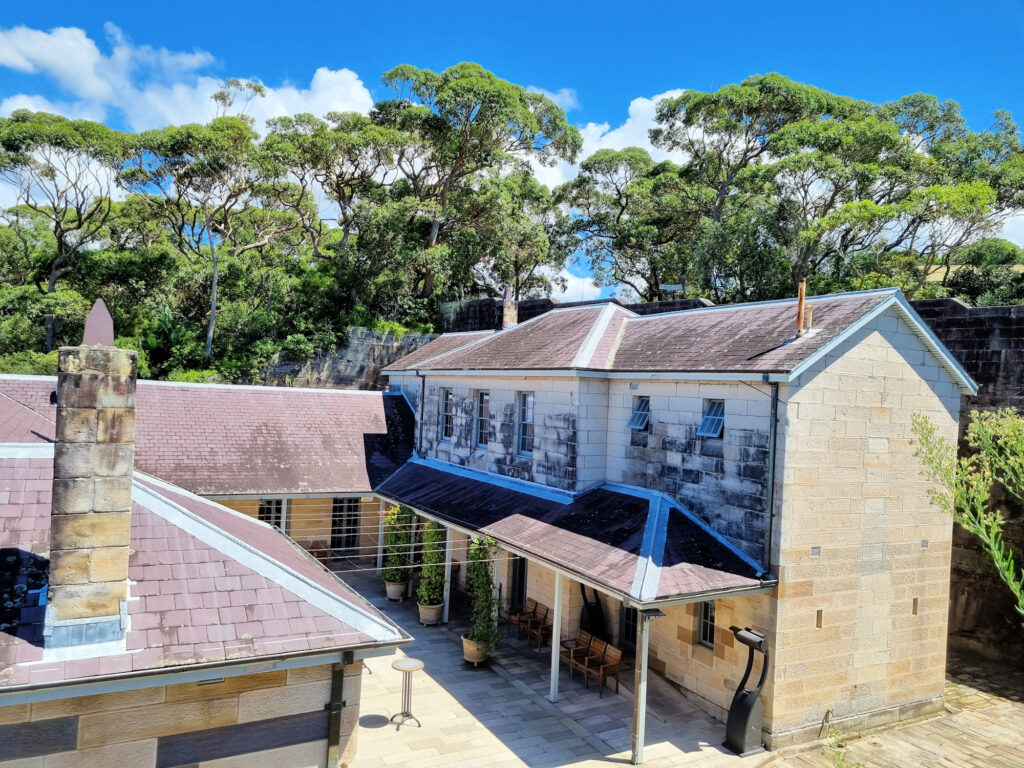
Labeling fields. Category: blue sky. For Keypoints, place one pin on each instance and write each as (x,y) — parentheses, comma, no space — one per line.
(137,65)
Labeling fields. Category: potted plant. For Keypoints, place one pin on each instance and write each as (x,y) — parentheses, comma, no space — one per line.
(430,593)
(482,637)
(397,534)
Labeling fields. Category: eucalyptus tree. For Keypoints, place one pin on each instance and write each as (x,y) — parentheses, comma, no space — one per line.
(634,218)
(209,186)
(461,123)
(62,172)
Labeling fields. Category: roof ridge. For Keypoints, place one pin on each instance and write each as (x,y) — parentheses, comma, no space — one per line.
(593,338)
(770,302)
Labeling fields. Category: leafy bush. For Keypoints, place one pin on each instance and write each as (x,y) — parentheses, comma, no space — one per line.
(195,377)
(484,625)
(297,348)
(431,588)
(32,363)
(397,544)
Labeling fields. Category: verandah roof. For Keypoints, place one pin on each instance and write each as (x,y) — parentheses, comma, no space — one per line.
(634,543)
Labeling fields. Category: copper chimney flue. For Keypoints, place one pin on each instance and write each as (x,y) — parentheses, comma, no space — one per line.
(801,296)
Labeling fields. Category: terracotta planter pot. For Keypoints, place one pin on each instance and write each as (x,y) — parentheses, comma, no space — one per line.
(430,614)
(473,652)
(396,589)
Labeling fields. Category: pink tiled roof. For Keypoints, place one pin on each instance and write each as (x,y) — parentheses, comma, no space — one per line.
(190,600)
(439,346)
(755,338)
(227,440)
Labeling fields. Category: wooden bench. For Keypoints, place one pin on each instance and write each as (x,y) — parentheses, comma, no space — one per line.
(574,647)
(522,619)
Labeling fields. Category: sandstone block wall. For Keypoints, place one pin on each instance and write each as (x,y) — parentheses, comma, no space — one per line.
(271,718)
(861,554)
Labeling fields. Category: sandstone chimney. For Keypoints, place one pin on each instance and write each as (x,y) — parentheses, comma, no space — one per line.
(93,462)
(509,310)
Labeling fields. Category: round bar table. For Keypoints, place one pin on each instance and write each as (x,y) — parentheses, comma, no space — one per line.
(406,666)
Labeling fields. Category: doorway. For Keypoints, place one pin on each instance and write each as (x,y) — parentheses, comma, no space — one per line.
(517,587)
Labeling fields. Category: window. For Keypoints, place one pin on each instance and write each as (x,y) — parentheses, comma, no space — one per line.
(272,511)
(447,422)
(525,423)
(344,523)
(641,418)
(706,629)
(713,423)
(483,417)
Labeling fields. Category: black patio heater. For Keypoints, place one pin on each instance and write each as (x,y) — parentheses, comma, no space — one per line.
(746,715)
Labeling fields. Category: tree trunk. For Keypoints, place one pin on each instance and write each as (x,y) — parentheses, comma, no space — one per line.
(213,302)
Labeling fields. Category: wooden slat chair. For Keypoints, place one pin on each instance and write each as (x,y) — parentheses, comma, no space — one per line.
(522,619)
(573,647)
(539,618)
(593,656)
(607,668)
(540,630)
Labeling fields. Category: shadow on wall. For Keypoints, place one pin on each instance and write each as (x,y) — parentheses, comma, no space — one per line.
(24,581)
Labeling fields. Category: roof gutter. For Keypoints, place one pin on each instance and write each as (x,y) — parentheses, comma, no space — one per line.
(150,678)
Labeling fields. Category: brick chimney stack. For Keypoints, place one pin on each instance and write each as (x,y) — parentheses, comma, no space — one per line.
(509,310)
(92,488)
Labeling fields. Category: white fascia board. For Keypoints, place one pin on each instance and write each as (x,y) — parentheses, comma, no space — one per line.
(368,493)
(925,333)
(702,597)
(190,674)
(320,597)
(26,450)
(584,373)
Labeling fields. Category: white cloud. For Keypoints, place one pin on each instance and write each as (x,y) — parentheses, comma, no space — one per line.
(566,98)
(151,87)
(576,288)
(631,133)
(1013,230)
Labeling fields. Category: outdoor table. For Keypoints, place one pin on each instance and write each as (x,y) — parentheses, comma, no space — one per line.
(406,666)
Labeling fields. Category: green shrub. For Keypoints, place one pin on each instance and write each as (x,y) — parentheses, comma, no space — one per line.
(397,544)
(297,348)
(431,588)
(483,628)
(32,363)
(195,377)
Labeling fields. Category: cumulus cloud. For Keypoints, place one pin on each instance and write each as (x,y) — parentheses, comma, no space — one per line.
(146,87)
(566,98)
(631,133)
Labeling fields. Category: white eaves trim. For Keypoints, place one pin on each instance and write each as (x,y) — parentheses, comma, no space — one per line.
(331,604)
(26,450)
(898,302)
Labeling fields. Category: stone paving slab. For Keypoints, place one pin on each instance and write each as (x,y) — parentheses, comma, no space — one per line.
(498,716)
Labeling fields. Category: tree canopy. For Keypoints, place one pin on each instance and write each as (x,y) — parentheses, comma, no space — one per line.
(220,245)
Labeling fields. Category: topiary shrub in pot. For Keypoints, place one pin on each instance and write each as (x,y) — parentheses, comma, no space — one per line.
(482,637)
(430,593)
(397,547)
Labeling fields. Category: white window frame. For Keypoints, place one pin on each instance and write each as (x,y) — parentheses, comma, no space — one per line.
(447,414)
(522,410)
(712,422)
(283,510)
(640,419)
(483,421)
(706,625)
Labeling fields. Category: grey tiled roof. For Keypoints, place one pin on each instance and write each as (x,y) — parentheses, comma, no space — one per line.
(755,338)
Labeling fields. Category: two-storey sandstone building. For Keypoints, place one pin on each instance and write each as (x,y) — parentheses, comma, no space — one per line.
(718,465)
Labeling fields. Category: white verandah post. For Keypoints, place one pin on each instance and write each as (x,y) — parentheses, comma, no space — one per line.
(556,637)
(380,540)
(448,547)
(640,695)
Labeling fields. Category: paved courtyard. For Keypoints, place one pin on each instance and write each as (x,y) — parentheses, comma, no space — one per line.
(498,716)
